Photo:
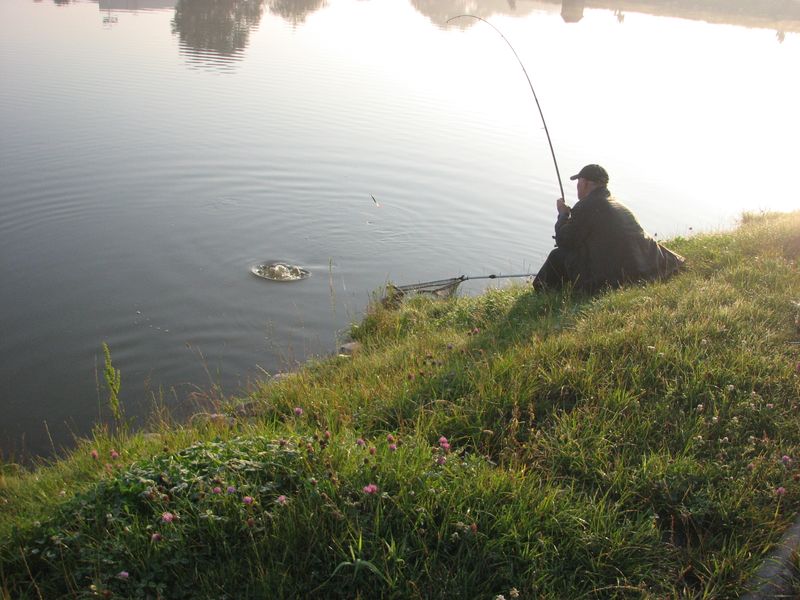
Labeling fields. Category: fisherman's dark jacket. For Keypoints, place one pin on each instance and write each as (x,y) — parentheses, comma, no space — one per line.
(604,245)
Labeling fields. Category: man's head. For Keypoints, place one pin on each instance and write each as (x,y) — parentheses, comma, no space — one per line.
(589,178)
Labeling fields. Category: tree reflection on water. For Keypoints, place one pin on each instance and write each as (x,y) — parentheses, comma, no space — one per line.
(218,26)
(295,11)
(213,29)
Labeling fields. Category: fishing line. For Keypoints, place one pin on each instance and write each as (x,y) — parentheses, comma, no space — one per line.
(541,114)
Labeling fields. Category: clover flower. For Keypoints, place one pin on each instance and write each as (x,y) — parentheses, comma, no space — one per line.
(247,500)
(370,489)
(216,490)
(123,575)
(393,447)
(786,460)
(780,491)
(156,537)
(167,517)
(282,500)
(114,455)
(231,489)
(95,454)
(298,411)
(361,442)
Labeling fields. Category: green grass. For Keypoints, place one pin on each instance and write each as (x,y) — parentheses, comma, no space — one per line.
(628,445)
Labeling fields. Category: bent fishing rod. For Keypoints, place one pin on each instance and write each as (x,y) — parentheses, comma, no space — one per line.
(541,114)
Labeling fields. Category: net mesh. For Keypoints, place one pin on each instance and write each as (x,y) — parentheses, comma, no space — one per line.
(441,288)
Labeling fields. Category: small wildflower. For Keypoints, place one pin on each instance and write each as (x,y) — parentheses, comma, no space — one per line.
(282,500)
(474,528)
(372,450)
(114,455)
(327,434)
(700,408)
(156,537)
(251,522)
(441,460)
(231,489)
(95,454)
(780,491)
(167,517)
(751,466)
(730,388)
(298,411)
(786,460)
(247,499)
(770,405)
(123,575)
(513,592)
(361,442)
(370,489)
(216,490)
(393,447)
(499,597)
(442,440)
(390,438)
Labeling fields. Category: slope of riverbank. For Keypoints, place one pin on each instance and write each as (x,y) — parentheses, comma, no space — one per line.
(643,444)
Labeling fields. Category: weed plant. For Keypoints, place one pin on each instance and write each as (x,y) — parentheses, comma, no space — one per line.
(642,443)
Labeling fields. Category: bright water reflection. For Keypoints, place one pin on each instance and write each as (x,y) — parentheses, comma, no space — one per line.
(151,152)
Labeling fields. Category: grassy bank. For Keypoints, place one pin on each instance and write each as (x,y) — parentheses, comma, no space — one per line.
(639,444)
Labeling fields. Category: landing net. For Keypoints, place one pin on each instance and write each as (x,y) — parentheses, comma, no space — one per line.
(441,288)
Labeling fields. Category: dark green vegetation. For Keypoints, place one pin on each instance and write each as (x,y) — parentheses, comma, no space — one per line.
(639,444)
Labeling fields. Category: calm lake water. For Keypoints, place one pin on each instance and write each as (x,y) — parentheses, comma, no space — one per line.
(152,151)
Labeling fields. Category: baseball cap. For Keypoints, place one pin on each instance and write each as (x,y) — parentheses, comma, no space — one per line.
(594,173)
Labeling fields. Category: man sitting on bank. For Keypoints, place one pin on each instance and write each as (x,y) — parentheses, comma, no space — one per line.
(599,242)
